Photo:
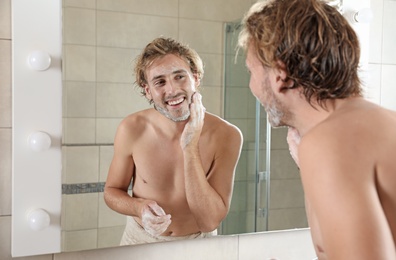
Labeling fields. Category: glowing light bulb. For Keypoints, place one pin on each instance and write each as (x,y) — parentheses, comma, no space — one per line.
(38,219)
(39,141)
(39,60)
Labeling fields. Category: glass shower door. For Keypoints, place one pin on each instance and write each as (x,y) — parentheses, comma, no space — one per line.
(250,200)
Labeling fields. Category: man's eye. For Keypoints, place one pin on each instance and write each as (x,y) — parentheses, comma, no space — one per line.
(180,76)
(159,83)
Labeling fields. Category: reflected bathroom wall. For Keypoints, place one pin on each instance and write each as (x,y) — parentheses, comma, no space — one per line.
(100,41)
(259,203)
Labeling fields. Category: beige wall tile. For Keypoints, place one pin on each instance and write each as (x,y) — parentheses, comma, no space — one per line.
(213,67)
(79,130)
(203,36)
(115,100)
(5,19)
(278,138)
(78,3)
(79,99)
(108,217)
(106,129)
(5,83)
(79,240)
(151,7)
(115,65)
(283,166)
(5,238)
(81,164)
(212,99)
(79,26)
(106,155)
(110,236)
(290,218)
(79,63)
(126,30)
(219,10)
(286,194)
(79,211)
(5,172)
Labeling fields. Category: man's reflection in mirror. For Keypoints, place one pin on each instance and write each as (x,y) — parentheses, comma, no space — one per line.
(180,158)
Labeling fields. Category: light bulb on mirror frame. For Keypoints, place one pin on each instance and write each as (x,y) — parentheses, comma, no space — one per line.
(39,60)
(39,141)
(38,219)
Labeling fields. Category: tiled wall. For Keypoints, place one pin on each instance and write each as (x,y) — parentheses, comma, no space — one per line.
(382,67)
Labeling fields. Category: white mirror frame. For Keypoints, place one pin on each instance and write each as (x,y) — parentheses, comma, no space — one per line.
(37,108)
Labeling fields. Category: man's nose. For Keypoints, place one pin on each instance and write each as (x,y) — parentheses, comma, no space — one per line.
(170,87)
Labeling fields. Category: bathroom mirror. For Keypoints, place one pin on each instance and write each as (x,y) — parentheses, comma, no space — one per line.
(100,40)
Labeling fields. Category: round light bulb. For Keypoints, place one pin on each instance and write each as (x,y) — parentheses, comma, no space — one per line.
(39,141)
(38,219)
(39,60)
(363,16)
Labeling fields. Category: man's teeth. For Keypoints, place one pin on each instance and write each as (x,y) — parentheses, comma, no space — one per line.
(175,102)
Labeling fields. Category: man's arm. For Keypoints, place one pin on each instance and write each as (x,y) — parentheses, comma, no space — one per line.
(339,184)
(116,196)
(209,195)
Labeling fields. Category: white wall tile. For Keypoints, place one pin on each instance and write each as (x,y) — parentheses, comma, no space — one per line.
(110,236)
(289,218)
(115,100)
(388,91)
(389,33)
(376,34)
(115,65)
(372,90)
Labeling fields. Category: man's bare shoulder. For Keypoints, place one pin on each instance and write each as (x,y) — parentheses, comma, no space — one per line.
(221,127)
(136,122)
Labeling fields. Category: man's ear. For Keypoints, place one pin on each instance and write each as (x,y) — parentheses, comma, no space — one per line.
(197,80)
(147,91)
(283,82)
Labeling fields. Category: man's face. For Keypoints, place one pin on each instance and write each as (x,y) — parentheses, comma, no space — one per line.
(171,85)
(262,82)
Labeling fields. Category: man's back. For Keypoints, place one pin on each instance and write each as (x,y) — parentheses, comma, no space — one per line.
(348,167)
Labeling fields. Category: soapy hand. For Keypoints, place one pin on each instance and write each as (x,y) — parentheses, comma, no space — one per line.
(293,139)
(154,219)
(193,128)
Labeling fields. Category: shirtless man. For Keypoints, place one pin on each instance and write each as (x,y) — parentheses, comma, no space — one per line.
(181,159)
(303,57)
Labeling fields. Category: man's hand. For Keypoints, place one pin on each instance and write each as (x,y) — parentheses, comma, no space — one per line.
(154,219)
(193,128)
(293,139)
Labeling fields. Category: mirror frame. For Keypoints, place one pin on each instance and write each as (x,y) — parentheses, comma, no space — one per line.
(37,108)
